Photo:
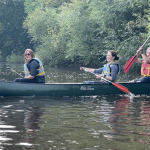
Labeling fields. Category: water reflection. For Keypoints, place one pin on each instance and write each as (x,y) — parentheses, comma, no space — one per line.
(6,128)
(75,123)
(19,121)
(120,108)
(112,115)
(145,114)
(33,122)
(125,121)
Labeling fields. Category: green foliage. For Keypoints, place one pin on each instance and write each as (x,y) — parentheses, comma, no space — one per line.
(13,36)
(1,57)
(44,33)
(31,5)
(13,58)
(81,32)
(73,31)
(56,3)
(42,26)
(121,24)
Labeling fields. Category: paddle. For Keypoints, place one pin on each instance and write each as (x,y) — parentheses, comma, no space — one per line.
(130,62)
(119,86)
(15,72)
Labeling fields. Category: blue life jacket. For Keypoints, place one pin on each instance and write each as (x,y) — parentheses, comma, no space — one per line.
(40,70)
(107,69)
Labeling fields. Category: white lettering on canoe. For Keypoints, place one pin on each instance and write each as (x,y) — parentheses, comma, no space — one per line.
(86,88)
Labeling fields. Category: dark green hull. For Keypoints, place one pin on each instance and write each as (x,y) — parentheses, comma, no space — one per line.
(68,89)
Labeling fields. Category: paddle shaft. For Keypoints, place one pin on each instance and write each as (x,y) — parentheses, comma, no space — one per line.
(15,72)
(130,62)
(119,86)
(143,44)
(97,75)
(145,41)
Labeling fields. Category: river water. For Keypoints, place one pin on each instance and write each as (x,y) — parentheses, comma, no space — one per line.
(114,122)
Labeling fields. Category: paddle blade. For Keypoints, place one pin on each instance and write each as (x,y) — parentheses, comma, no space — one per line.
(121,87)
(128,65)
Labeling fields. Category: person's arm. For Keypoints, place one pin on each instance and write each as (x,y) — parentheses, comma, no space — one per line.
(33,69)
(114,72)
(139,51)
(98,71)
(138,60)
(145,58)
(106,77)
(88,69)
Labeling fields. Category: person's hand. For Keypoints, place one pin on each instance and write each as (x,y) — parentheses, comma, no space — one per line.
(139,50)
(81,68)
(100,75)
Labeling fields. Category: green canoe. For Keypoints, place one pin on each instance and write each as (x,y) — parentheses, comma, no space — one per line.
(68,89)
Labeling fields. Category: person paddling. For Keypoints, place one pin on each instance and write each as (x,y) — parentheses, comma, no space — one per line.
(33,69)
(109,71)
(145,67)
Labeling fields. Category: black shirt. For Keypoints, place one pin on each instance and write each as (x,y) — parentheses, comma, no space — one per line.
(33,65)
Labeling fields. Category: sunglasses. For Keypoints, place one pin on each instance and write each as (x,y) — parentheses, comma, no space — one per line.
(27,54)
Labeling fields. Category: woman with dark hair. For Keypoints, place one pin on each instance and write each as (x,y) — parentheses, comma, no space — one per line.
(33,69)
(109,71)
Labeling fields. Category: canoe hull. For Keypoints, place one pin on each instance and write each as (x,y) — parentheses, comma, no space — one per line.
(68,89)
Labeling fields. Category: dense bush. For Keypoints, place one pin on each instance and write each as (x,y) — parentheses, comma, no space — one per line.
(81,32)
(13,37)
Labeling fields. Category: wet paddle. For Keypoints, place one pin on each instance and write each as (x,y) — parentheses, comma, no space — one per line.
(130,62)
(15,72)
(119,86)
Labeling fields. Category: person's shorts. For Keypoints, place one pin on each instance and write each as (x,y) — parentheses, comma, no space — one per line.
(144,79)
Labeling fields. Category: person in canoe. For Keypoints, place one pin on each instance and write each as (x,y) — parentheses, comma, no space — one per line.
(109,71)
(145,67)
(33,69)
